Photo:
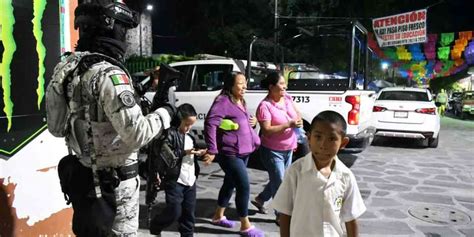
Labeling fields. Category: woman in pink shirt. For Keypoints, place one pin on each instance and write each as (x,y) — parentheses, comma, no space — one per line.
(278,116)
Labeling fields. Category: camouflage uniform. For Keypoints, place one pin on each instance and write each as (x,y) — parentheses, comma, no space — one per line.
(118,127)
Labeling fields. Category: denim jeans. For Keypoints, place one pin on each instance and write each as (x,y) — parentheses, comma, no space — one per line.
(236,176)
(180,206)
(276,162)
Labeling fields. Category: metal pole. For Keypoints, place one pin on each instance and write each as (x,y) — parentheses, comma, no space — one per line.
(470,83)
(249,59)
(351,69)
(393,74)
(140,33)
(366,62)
(275,35)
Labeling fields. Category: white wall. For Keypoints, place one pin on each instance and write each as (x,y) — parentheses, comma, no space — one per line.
(133,37)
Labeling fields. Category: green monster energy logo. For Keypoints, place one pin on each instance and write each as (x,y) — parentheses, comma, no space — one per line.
(7,22)
(38,10)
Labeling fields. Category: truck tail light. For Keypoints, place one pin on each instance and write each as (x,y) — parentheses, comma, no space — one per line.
(426,111)
(378,109)
(353,115)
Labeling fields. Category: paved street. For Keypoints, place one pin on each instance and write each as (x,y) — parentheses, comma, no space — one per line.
(398,180)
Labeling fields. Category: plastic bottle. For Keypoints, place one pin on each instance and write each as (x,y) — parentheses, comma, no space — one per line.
(300,135)
(228,125)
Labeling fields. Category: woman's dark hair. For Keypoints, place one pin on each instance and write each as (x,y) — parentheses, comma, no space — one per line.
(229,82)
(271,79)
(182,112)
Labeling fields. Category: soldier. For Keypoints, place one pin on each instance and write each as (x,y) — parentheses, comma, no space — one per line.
(90,101)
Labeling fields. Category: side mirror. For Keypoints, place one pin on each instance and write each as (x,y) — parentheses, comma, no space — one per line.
(438,104)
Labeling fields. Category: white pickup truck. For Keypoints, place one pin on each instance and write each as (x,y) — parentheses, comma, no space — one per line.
(203,81)
(312,90)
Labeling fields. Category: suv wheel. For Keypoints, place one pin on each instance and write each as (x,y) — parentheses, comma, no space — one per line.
(375,141)
(433,142)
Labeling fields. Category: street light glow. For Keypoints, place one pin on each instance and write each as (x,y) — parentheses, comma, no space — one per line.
(149,7)
(384,65)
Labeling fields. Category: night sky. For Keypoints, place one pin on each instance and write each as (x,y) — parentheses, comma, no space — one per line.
(446,16)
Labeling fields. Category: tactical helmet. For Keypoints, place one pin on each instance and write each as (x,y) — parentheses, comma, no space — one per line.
(104,17)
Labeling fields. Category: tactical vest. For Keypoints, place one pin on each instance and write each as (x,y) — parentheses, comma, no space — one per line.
(72,100)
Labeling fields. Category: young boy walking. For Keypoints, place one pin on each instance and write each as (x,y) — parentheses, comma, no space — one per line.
(334,196)
(179,181)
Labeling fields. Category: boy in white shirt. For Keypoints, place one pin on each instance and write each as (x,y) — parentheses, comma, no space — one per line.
(319,192)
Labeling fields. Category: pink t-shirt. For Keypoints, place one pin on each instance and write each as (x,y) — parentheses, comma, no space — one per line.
(277,114)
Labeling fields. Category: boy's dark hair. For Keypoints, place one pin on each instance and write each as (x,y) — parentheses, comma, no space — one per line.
(182,112)
(185,110)
(330,117)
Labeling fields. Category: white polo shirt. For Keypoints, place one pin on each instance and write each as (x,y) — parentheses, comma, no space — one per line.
(318,205)
(187,175)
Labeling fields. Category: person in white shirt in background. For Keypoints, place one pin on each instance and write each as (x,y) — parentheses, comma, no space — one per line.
(319,192)
(179,181)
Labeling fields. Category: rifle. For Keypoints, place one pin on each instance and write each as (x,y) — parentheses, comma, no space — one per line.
(166,98)
(166,86)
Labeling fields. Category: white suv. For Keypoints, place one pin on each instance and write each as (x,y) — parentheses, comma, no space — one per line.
(407,113)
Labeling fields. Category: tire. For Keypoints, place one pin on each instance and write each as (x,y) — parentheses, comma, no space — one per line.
(433,142)
(375,141)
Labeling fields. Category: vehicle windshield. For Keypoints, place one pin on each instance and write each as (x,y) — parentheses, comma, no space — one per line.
(257,74)
(306,71)
(404,95)
(469,96)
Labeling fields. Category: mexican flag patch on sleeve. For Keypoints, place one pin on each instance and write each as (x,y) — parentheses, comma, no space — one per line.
(120,79)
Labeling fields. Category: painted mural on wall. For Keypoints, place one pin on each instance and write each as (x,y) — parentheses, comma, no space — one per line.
(30,51)
(33,33)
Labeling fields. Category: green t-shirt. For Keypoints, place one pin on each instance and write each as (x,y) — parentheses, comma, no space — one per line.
(442,98)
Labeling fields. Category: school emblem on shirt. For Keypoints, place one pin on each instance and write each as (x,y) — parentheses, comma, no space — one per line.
(338,203)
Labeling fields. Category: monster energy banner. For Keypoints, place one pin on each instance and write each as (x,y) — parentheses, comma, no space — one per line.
(29,50)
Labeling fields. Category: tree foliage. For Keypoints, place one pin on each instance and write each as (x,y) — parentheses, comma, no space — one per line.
(226,27)
(221,27)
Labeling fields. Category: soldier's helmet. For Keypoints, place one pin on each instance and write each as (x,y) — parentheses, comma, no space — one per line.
(104,17)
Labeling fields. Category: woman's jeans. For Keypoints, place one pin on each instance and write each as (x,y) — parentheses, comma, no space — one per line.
(276,162)
(236,176)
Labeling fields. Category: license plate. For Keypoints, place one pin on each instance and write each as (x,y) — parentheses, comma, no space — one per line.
(400,114)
